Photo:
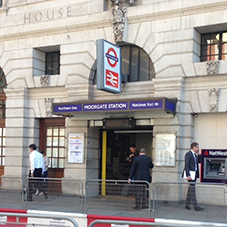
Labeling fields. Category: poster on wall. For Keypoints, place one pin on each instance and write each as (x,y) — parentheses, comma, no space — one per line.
(165,146)
(76,148)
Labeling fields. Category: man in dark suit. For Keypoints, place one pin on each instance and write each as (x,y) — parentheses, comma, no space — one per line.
(191,164)
(141,171)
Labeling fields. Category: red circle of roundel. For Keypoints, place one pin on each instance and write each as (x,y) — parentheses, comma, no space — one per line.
(108,52)
(206,153)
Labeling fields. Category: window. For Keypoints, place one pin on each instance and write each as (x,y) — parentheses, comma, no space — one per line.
(136,63)
(46,60)
(2,146)
(52,63)
(55,146)
(3,85)
(214,46)
(0,3)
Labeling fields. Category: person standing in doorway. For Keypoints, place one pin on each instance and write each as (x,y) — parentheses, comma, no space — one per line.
(133,153)
(141,171)
(191,166)
(45,173)
(37,169)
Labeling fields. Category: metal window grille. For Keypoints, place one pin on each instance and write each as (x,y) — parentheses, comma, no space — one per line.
(53,63)
(214,46)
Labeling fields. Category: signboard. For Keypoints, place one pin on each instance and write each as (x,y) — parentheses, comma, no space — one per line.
(76,148)
(217,153)
(165,146)
(156,104)
(108,66)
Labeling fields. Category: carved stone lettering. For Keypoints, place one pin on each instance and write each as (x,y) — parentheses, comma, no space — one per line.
(45,15)
(38,17)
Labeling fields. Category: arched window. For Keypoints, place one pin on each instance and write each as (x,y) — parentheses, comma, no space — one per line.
(3,85)
(136,63)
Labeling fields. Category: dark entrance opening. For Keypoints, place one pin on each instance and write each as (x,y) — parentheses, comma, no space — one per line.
(118,143)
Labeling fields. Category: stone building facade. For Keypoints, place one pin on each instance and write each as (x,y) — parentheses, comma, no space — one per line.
(48,56)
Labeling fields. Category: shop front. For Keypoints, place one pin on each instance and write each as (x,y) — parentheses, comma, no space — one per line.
(116,125)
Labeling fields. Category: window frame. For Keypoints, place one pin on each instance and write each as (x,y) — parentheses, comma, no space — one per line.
(44,124)
(138,63)
(2,119)
(219,45)
(52,63)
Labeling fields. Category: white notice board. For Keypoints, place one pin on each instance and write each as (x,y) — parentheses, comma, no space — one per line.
(76,148)
(165,146)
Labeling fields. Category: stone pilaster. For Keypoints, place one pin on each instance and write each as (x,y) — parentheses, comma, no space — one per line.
(21,130)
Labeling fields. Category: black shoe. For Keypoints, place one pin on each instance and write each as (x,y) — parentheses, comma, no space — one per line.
(145,207)
(136,208)
(199,208)
(188,207)
(29,199)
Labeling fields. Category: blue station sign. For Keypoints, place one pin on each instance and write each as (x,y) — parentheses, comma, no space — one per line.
(161,104)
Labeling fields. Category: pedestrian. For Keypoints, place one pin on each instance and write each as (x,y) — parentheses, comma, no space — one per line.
(141,171)
(45,173)
(133,153)
(191,172)
(37,169)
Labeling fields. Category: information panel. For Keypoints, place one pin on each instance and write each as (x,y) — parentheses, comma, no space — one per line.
(76,148)
(165,146)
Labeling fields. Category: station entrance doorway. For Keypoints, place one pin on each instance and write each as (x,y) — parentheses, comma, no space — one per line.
(116,149)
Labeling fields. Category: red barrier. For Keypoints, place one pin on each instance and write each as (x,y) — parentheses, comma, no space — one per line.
(91,218)
(14,219)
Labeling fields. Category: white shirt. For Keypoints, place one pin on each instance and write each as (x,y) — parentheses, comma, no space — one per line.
(36,161)
(195,159)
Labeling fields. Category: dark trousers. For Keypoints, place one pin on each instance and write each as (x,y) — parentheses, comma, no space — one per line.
(191,196)
(45,183)
(35,183)
(141,195)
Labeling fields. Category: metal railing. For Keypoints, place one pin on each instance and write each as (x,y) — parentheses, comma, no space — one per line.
(48,193)
(115,197)
(138,223)
(169,196)
(36,216)
(118,196)
(11,193)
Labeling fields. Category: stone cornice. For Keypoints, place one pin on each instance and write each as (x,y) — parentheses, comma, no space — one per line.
(175,9)
(65,25)
(136,14)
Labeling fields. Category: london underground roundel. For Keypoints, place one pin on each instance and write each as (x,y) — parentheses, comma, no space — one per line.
(112,57)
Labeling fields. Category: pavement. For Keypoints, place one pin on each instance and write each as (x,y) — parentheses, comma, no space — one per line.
(111,205)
